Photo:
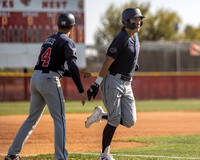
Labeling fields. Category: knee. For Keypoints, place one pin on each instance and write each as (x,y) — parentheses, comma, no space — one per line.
(130,123)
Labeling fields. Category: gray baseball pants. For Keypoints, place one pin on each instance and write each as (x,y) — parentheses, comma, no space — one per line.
(45,89)
(119,100)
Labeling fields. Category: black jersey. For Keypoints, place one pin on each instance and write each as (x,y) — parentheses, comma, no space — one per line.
(125,51)
(58,54)
(54,52)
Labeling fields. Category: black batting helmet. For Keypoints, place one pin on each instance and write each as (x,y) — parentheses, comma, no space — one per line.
(129,13)
(65,19)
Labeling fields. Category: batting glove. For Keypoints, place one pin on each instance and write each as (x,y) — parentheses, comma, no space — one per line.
(92,91)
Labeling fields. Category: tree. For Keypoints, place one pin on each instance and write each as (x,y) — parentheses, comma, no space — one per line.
(111,21)
(161,25)
(192,33)
(156,26)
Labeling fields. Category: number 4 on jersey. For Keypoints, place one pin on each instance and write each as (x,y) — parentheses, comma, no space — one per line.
(46,57)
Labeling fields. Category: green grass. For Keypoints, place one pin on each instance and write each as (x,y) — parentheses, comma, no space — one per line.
(168,105)
(161,147)
(170,146)
(22,107)
(9,108)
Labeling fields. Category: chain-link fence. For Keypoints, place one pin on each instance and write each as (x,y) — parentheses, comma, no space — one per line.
(159,56)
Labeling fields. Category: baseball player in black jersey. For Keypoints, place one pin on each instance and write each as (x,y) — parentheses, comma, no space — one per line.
(115,79)
(57,58)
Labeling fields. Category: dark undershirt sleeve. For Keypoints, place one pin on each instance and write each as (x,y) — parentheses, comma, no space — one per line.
(74,73)
(66,73)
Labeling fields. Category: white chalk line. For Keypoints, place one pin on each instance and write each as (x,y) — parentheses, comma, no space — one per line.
(147,156)
(22,155)
(121,155)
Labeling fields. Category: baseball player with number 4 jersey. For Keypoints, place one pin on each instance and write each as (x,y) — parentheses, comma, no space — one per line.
(57,59)
(115,78)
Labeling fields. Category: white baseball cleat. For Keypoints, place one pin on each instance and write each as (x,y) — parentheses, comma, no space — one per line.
(106,157)
(96,116)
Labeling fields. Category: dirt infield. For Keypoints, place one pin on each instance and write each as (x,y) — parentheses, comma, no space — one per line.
(80,139)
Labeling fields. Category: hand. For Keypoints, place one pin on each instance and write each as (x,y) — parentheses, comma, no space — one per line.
(92,91)
(136,67)
(83,98)
(84,74)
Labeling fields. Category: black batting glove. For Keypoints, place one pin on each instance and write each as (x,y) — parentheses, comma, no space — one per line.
(92,91)
(136,67)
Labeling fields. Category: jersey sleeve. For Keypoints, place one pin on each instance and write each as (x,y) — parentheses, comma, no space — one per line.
(75,74)
(115,48)
(69,50)
(70,65)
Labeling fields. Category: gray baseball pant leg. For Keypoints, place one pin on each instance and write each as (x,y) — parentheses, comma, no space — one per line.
(47,86)
(37,105)
(128,107)
(56,104)
(51,90)
(119,101)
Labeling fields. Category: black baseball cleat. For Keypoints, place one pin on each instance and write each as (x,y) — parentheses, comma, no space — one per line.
(12,157)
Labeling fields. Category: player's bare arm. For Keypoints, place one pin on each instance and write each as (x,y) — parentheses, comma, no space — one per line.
(93,90)
(107,63)
(83,98)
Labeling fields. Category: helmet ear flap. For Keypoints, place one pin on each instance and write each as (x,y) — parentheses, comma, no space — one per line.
(132,25)
(141,23)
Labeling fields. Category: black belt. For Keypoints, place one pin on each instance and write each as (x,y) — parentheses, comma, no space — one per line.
(122,77)
(125,78)
(45,71)
(48,71)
